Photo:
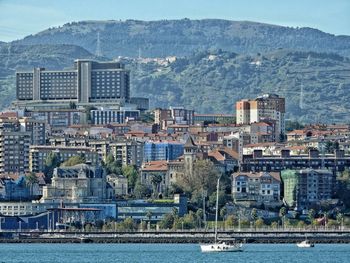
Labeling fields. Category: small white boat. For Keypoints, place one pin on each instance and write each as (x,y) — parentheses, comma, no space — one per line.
(222,247)
(305,244)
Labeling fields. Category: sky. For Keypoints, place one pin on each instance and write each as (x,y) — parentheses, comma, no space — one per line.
(19,18)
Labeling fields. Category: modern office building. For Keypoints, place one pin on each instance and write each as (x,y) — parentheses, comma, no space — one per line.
(163,150)
(88,82)
(265,107)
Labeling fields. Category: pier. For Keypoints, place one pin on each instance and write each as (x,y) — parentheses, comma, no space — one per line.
(190,236)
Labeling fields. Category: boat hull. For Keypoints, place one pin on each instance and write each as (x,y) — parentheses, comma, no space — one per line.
(222,248)
(305,244)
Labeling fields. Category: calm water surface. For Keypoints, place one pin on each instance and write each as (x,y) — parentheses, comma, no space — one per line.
(71,253)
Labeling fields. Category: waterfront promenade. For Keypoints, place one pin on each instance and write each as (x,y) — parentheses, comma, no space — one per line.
(186,236)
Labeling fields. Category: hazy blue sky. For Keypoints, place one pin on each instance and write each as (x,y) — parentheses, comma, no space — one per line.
(19,18)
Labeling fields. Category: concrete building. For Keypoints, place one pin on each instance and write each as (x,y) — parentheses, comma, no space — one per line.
(306,188)
(213,118)
(38,154)
(57,120)
(257,188)
(89,81)
(173,115)
(128,152)
(109,115)
(257,161)
(14,147)
(266,107)
(118,185)
(37,129)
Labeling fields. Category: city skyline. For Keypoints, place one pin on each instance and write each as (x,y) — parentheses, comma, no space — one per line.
(21,18)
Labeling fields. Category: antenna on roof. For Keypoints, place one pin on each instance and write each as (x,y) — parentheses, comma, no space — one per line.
(301,101)
(98,46)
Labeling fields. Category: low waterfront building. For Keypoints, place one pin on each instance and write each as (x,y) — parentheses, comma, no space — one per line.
(142,210)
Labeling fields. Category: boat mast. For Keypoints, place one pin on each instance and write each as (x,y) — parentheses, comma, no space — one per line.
(217,208)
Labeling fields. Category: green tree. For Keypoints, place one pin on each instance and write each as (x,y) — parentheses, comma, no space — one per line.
(204,176)
(231,221)
(340,218)
(259,223)
(141,190)
(74,160)
(189,220)
(301,224)
(129,224)
(156,179)
(51,162)
(311,214)
(31,180)
(222,199)
(130,172)
(149,215)
(113,166)
(274,225)
(167,222)
(283,211)
(282,214)
(223,212)
(254,214)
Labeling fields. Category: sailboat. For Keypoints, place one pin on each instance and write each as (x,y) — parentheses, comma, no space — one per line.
(220,246)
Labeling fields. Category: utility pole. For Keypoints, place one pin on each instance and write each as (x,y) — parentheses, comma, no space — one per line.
(204,195)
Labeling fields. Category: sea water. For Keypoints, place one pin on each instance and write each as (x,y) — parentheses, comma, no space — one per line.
(71,253)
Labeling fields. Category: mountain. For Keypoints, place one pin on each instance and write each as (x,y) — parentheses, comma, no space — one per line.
(217,63)
(25,57)
(315,85)
(132,38)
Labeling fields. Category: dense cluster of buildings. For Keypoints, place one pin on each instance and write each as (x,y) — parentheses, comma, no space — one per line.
(88,111)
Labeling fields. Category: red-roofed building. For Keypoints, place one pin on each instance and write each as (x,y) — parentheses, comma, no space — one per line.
(155,175)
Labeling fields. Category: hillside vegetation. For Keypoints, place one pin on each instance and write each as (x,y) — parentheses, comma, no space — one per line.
(316,86)
(182,37)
